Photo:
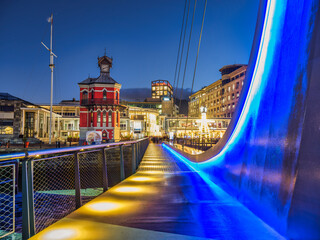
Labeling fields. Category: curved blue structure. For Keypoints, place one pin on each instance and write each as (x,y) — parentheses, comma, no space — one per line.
(269,157)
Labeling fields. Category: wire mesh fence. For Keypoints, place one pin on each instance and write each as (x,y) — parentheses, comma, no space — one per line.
(127,155)
(54,183)
(91,174)
(54,189)
(7,200)
(113,166)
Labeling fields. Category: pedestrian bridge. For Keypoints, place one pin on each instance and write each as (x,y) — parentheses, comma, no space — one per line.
(259,181)
(164,199)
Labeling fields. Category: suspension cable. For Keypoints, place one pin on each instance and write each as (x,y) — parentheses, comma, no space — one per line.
(178,55)
(187,56)
(196,62)
(182,49)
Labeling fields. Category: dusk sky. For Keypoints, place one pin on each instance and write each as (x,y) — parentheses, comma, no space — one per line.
(142,36)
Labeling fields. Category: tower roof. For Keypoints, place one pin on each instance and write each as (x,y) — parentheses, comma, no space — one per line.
(103,78)
(105,60)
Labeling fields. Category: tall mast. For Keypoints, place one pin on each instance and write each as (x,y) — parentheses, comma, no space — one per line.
(51,67)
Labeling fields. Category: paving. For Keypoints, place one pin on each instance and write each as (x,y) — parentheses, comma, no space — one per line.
(163,200)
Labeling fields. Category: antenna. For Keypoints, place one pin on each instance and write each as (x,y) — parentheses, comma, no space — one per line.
(51,65)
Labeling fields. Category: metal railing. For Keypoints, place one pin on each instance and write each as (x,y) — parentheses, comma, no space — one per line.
(39,188)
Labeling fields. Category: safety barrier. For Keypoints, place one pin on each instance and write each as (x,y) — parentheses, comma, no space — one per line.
(41,187)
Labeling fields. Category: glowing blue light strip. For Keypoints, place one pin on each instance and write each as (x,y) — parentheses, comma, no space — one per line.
(204,176)
(272,22)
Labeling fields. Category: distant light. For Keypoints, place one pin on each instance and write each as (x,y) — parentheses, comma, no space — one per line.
(166,99)
(60,234)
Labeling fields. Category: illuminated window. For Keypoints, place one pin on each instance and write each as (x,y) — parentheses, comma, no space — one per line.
(104,94)
(98,117)
(6,130)
(109,118)
(104,119)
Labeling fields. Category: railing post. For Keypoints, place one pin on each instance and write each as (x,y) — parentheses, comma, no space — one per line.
(77,181)
(136,154)
(121,164)
(104,170)
(31,198)
(25,201)
(134,167)
(139,152)
(28,222)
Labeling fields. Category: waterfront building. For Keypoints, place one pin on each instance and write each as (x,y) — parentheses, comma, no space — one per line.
(99,104)
(20,119)
(191,127)
(139,122)
(69,120)
(161,88)
(220,97)
(164,105)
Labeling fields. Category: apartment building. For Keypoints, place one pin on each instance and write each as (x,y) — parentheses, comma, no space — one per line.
(221,97)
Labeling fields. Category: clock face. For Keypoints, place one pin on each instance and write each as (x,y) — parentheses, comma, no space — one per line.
(105,68)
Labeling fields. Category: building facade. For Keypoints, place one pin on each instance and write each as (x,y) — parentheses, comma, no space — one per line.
(68,120)
(99,104)
(161,88)
(220,97)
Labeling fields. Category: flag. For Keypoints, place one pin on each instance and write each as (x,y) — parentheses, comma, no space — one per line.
(50,19)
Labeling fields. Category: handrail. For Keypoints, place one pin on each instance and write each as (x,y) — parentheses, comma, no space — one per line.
(21,155)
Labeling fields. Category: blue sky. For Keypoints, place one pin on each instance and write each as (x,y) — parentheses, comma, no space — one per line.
(142,36)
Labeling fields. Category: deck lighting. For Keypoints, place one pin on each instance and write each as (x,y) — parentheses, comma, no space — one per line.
(103,206)
(60,234)
(127,189)
(141,179)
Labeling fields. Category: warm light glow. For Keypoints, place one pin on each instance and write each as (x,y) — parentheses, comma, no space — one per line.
(140,179)
(152,172)
(127,189)
(103,206)
(60,234)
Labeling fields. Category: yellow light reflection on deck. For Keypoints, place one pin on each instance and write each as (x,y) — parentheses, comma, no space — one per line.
(151,172)
(140,179)
(127,189)
(103,206)
(60,234)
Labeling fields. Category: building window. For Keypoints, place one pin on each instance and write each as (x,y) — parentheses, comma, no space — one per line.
(92,95)
(117,96)
(98,116)
(104,119)
(110,119)
(6,108)
(85,95)
(104,94)
(6,130)
(91,117)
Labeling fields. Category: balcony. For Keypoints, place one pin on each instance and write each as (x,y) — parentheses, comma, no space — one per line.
(98,101)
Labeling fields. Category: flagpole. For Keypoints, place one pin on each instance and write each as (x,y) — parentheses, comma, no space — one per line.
(51,67)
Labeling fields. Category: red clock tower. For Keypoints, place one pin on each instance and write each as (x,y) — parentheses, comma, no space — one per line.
(99,104)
